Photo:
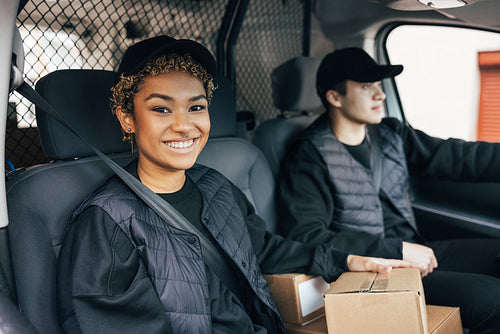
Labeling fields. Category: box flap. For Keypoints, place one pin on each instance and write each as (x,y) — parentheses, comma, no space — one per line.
(402,279)
(352,282)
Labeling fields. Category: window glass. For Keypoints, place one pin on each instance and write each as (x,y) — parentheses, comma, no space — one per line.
(441,82)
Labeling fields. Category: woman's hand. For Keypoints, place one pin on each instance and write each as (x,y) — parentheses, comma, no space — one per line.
(375,264)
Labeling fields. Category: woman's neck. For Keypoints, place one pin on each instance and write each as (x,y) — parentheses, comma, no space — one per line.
(161,181)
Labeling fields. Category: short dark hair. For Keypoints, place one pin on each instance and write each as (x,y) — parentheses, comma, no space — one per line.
(340,87)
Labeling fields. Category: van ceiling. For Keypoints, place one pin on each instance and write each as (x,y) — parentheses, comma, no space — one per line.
(355,17)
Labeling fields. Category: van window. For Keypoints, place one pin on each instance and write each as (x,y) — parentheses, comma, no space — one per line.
(442,86)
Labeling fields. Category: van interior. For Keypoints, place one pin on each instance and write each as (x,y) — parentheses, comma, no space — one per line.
(267,53)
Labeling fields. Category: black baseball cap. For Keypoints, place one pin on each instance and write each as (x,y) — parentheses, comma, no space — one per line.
(351,64)
(140,53)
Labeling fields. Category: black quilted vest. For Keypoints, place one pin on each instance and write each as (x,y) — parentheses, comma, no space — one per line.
(173,257)
(357,202)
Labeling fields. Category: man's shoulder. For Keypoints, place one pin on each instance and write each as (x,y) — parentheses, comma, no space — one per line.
(320,124)
(392,123)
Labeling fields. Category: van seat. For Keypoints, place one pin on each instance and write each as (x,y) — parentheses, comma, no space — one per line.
(41,199)
(294,91)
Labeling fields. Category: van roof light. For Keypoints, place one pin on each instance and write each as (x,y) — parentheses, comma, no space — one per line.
(441,4)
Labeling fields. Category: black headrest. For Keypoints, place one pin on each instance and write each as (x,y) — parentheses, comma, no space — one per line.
(223,109)
(82,98)
(294,85)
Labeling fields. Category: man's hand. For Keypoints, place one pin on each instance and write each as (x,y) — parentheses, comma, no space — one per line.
(375,264)
(421,255)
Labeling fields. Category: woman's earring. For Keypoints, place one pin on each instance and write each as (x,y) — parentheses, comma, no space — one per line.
(131,138)
(127,136)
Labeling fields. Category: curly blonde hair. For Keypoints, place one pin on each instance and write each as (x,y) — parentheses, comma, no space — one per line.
(124,91)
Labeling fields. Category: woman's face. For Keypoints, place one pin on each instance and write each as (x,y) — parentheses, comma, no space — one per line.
(171,123)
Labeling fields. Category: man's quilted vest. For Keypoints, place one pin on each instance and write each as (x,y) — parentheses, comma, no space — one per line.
(173,257)
(357,202)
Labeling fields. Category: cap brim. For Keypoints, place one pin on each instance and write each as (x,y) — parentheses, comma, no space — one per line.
(377,73)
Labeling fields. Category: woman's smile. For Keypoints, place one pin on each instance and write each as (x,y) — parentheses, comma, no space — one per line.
(180,146)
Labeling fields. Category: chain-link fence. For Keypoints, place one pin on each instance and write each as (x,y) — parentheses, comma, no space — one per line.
(94,34)
(271,34)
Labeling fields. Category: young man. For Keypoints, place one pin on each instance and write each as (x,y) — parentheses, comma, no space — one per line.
(330,194)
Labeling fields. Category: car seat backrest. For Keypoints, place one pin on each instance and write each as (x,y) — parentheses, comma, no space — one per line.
(42,198)
(237,158)
(294,89)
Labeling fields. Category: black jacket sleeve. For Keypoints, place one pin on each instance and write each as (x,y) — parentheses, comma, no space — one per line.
(448,159)
(105,280)
(306,208)
(277,255)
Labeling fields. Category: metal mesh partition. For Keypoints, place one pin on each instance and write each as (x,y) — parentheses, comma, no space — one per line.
(271,34)
(94,34)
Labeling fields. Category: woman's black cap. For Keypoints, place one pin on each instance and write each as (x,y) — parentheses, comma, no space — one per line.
(351,64)
(140,53)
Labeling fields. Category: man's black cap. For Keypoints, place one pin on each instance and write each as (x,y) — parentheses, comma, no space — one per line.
(140,53)
(351,64)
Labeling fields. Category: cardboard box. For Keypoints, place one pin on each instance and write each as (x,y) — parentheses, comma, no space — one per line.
(299,297)
(441,320)
(365,302)
(444,320)
(317,326)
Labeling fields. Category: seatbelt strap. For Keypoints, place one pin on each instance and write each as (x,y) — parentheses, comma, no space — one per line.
(165,210)
(375,156)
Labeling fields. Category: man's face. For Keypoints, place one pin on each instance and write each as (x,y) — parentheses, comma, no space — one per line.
(362,103)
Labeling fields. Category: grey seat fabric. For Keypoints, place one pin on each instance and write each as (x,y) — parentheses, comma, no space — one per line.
(243,163)
(275,137)
(294,90)
(11,321)
(42,198)
(237,158)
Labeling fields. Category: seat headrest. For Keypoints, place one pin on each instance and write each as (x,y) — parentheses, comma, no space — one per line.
(294,84)
(82,98)
(223,109)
